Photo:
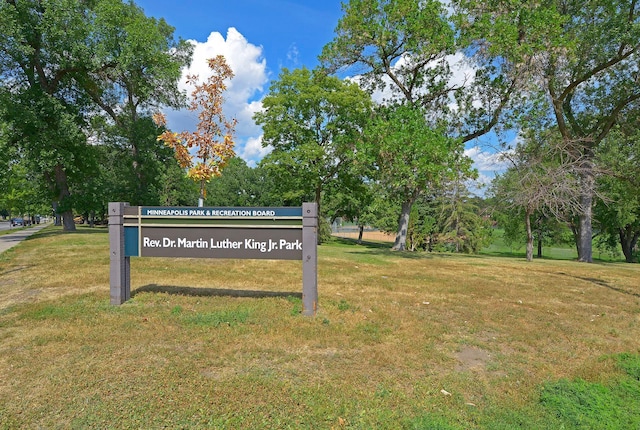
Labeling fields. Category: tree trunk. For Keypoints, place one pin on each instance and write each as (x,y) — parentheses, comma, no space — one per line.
(360,233)
(63,194)
(576,234)
(57,220)
(67,221)
(539,245)
(318,196)
(527,222)
(628,240)
(403,225)
(585,232)
(203,193)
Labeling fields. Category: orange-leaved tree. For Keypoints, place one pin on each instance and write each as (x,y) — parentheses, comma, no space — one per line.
(211,144)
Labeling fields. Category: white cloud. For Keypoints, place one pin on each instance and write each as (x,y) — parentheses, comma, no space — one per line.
(253,150)
(293,54)
(488,164)
(251,76)
(486,161)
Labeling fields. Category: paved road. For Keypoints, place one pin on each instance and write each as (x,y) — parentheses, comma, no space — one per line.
(10,240)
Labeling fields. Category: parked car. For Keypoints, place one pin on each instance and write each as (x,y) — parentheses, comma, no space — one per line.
(17,222)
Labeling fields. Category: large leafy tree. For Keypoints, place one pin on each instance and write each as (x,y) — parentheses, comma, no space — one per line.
(147,65)
(402,49)
(409,157)
(581,62)
(64,61)
(312,121)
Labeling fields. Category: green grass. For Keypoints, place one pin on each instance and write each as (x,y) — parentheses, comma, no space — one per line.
(401,340)
(613,404)
(231,317)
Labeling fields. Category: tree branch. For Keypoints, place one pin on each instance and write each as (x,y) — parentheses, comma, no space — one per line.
(496,114)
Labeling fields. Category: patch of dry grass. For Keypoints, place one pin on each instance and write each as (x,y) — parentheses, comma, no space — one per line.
(400,340)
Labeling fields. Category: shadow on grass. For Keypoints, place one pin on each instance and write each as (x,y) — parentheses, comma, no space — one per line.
(212,292)
(503,254)
(16,269)
(602,283)
(378,249)
(354,242)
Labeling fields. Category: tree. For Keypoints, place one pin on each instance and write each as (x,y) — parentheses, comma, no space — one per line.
(580,59)
(544,178)
(401,47)
(618,217)
(545,229)
(135,172)
(312,121)
(145,74)
(402,40)
(404,46)
(241,185)
(409,157)
(213,138)
(617,212)
(422,230)
(351,202)
(67,61)
(7,155)
(458,220)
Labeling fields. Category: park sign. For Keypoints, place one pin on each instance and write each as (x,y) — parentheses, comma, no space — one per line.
(274,233)
(257,233)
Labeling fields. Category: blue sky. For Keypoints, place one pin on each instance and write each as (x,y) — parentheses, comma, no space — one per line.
(258,38)
(290,33)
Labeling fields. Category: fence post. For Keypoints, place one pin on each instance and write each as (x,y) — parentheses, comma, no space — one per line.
(119,266)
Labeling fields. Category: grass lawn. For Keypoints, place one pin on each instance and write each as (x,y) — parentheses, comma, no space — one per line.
(498,248)
(401,340)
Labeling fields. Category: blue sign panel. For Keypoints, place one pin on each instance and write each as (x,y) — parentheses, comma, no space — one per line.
(131,242)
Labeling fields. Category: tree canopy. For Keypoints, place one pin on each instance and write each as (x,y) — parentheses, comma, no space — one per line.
(313,121)
(578,60)
(65,63)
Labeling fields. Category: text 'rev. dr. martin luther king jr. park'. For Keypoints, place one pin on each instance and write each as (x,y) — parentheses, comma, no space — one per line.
(274,233)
